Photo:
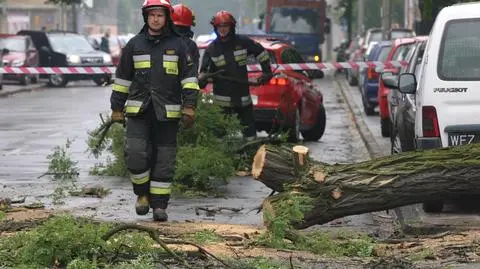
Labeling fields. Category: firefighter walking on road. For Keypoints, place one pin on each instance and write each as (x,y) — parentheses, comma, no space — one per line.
(184,20)
(230,52)
(156,88)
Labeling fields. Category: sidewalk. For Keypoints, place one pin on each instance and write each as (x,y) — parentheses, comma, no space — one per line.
(10,88)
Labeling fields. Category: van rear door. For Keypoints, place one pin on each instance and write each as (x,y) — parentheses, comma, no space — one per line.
(456,94)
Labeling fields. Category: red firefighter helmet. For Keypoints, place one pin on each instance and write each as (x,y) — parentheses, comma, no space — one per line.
(223,17)
(154,4)
(183,16)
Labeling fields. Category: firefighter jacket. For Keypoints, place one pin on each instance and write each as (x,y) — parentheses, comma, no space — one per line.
(232,56)
(193,49)
(155,70)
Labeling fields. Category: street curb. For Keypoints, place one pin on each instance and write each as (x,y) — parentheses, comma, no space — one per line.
(4,94)
(373,148)
(385,219)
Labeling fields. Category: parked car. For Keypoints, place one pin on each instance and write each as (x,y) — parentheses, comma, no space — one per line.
(21,53)
(290,101)
(115,44)
(369,87)
(400,49)
(65,49)
(402,106)
(2,52)
(446,86)
(355,53)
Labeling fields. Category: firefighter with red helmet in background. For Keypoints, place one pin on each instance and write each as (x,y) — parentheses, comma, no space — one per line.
(184,20)
(156,88)
(229,52)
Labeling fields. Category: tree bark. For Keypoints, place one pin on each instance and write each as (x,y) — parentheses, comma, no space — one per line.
(348,189)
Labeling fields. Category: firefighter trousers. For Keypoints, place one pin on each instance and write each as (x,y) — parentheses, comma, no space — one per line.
(245,115)
(150,153)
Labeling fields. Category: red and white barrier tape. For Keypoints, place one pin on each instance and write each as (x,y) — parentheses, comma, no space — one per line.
(251,68)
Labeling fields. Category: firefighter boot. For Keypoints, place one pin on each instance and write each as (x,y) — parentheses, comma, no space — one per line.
(159,214)
(142,206)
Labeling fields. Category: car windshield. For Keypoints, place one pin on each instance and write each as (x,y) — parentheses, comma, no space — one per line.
(294,20)
(69,43)
(402,52)
(384,51)
(13,44)
(459,57)
(376,36)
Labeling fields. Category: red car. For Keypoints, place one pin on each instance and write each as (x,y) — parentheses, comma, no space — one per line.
(400,49)
(21,53)
(290,100)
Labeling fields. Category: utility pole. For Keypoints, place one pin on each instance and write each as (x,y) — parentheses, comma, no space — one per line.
(74,18)
(386,17)
(349,19)
(360,16)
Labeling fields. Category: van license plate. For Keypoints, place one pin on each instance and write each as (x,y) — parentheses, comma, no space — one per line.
(457,139)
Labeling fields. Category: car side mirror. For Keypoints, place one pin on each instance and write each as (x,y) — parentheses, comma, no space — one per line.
(5,51)
(407,83)
(390,80)
(45,49)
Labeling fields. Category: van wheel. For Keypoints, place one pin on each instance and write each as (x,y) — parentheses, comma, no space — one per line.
(433,207)
(385,126)
(57,80)
(317,131)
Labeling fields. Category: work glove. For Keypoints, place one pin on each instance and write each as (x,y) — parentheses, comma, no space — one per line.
(188,117)
(117,116)
(202,80)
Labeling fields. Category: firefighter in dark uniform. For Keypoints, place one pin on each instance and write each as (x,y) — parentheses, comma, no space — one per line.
(184,20)
(229,52)
(156,88)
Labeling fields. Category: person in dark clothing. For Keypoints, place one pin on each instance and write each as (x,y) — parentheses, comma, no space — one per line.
(105,43)
(229,52)
(184,20)
(156,87)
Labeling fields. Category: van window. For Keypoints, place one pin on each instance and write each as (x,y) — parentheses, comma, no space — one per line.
(459,57)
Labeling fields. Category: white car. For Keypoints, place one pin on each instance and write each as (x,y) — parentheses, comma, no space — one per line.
(447,94)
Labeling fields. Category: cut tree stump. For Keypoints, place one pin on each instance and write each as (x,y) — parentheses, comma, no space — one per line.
(340,190)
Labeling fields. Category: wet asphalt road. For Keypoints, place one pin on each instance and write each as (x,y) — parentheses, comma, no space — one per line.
(34,123)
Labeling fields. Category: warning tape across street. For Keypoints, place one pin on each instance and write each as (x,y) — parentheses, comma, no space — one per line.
(251,68)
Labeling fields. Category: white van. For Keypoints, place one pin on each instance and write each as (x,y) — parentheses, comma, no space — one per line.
(448,90)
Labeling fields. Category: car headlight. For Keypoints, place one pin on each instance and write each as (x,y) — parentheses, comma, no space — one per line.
(16,63)
(107,58)
(73,59)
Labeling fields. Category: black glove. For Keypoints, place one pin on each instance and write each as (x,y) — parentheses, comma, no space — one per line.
(265,78)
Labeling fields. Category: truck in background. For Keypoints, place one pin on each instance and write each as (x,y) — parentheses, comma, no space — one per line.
(302,22)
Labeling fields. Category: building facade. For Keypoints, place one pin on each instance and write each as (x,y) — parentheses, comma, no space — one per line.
(19,15)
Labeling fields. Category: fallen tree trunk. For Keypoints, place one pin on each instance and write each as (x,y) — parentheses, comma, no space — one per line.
(340,190)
